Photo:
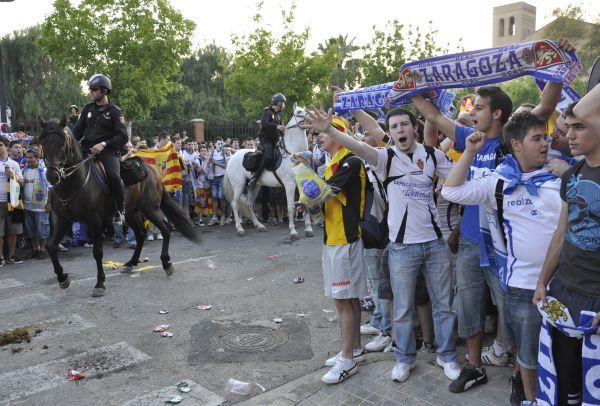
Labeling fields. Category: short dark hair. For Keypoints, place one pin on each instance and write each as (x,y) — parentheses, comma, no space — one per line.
(202,146)
(14,142)
(499,100)
(163,134)
(399,111)
(4,141)
(518,125)
(33,151)
(569,110)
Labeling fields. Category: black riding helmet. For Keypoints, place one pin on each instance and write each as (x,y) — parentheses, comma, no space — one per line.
(100,80)
(278,97)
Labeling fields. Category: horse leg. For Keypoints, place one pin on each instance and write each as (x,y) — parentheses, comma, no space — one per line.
(96,234)
(308,231)
(60,229)
(156,217)
(290,190)
(235,208)
(136,222)
(250,199)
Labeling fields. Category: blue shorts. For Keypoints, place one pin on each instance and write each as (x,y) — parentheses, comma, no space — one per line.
(525,321)
(37,224)
(216,185)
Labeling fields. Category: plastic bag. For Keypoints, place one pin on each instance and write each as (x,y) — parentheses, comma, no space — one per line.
(313,190)
(15,190)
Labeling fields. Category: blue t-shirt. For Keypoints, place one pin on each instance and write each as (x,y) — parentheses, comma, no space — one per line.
(484,163)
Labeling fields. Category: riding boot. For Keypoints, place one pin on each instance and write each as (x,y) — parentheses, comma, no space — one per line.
(119,215)
(255,176)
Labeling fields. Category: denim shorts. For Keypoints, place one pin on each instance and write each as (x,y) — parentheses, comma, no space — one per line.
(37,224)
(525,321)
(216,185)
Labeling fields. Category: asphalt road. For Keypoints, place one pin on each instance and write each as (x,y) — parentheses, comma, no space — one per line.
(247,280)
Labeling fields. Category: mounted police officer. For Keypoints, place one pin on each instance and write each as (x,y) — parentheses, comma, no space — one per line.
(270,131)
(102,131)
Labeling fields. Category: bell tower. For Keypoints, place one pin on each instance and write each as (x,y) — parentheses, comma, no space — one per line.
(512,23)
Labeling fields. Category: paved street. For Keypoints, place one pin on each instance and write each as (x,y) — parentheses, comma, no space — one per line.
(248,281)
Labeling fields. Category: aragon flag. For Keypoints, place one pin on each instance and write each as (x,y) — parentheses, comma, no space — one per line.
(166,162)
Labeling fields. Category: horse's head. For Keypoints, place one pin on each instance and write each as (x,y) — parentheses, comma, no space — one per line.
(57,143)
(298,117)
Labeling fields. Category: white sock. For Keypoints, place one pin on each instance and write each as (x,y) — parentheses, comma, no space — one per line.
(498,348)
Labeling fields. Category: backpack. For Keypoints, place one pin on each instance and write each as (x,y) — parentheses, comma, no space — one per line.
(252,161)
(133,171)
(374,225)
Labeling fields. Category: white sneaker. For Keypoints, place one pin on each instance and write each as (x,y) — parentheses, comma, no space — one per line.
(358,355)
(451,369)
(159,236)
(62,248)
(379,343)
(401,371)
(150,237)
(489,357)
(222,223)
(367,329)
(342,370)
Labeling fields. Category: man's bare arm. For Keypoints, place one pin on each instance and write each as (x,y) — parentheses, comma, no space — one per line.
(433,114)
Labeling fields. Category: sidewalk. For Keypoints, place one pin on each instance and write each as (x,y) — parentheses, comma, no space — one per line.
(372,385)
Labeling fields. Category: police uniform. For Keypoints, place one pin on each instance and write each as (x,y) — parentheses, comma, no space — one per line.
(269,135)
(105,123)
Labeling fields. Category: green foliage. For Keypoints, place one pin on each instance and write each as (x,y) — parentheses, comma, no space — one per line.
(391,48)
(137,43)
(570,23)
(264,64)
(347,73)
(34,85)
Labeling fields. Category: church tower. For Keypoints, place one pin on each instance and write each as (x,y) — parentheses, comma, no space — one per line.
(512,23)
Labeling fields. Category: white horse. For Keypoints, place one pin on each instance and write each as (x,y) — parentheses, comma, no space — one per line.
(294,140)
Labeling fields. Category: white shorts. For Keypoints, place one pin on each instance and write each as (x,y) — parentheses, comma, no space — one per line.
(344,273)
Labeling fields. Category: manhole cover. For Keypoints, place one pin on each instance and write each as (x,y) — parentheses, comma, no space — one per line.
(249,339)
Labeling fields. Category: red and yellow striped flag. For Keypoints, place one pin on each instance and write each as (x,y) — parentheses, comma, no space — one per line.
(166,161)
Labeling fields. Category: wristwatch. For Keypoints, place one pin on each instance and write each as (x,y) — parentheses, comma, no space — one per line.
(103,144)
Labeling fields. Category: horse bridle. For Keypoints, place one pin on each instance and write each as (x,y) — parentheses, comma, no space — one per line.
(298,122)
(64,173)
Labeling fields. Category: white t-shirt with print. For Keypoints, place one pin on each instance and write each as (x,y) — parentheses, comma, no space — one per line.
(5,179)
(31,177)
(412,215)
(217,156)
(529,221)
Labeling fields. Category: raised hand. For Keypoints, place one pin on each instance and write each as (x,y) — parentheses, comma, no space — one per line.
(475,141)
(318,120)
(565,44)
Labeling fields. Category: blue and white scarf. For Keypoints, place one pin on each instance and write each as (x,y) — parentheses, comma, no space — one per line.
(491,231)
(557,315)
(376,97)
(541,59)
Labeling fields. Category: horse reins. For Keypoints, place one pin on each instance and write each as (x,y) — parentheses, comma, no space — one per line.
(64,173)
(297,124)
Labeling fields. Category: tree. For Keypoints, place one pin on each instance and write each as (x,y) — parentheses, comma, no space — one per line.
(264,65)
(395,46)
(570,23)
(34,85)
(139,44)
(347,73)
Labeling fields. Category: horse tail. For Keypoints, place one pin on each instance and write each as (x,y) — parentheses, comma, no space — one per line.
(177,216)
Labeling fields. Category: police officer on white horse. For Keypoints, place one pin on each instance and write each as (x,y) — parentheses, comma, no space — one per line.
(102,131)
(270,131)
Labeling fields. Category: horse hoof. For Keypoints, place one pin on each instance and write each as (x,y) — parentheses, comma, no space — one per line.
(262,228)
(294,237)
(241,233)
(65,284)
(127,269)
(169,270)
(98,292)
(309,233)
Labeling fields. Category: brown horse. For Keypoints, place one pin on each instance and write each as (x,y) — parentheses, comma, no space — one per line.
(78,195)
